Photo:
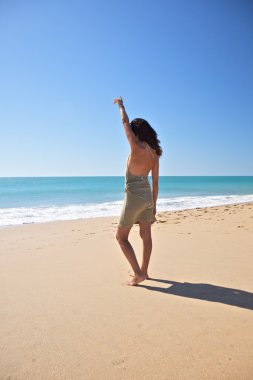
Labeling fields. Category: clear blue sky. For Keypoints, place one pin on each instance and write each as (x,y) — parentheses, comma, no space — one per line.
(184,65)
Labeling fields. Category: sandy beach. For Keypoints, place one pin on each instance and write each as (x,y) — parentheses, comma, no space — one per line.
(66,313)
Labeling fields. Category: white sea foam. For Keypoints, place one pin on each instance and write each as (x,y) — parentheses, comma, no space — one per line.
(23,215)
(181,203)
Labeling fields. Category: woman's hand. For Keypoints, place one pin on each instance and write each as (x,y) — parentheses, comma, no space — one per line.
(154,210)
(119,101)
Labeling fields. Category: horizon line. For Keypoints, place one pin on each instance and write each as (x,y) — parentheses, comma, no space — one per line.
(165,175)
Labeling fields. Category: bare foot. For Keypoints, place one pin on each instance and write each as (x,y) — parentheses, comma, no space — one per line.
(147,276)
(137,279)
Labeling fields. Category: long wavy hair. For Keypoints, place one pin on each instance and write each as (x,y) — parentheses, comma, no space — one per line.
(145,132)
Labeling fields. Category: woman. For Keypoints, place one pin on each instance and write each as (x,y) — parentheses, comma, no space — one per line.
(140,202)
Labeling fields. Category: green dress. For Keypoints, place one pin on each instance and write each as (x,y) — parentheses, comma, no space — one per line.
(138,200)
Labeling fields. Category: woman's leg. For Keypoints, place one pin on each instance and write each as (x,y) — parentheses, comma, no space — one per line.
(145,234)
(122,237)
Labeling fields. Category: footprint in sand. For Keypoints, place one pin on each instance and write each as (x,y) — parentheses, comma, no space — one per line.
(118,362)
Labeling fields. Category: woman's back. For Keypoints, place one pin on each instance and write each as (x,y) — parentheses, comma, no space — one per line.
(141,160)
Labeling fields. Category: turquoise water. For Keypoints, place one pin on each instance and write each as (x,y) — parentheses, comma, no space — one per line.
(39,199)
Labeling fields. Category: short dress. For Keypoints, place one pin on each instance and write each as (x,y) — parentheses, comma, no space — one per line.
(138,201)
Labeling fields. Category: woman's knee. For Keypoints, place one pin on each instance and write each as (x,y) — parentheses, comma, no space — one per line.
(122,236)
(146,236)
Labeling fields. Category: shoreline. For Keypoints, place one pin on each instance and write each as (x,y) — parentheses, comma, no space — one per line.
(104,218)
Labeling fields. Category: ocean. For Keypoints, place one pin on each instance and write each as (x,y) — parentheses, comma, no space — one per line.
(42,199)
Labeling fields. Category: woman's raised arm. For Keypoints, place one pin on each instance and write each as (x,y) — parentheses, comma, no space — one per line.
(125,121)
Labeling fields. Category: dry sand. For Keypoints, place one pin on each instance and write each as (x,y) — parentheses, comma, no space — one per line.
(66,315)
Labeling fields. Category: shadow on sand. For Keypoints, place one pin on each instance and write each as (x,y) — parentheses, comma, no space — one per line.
(207,292)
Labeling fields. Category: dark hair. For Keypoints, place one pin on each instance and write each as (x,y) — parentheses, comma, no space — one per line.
(145,132)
